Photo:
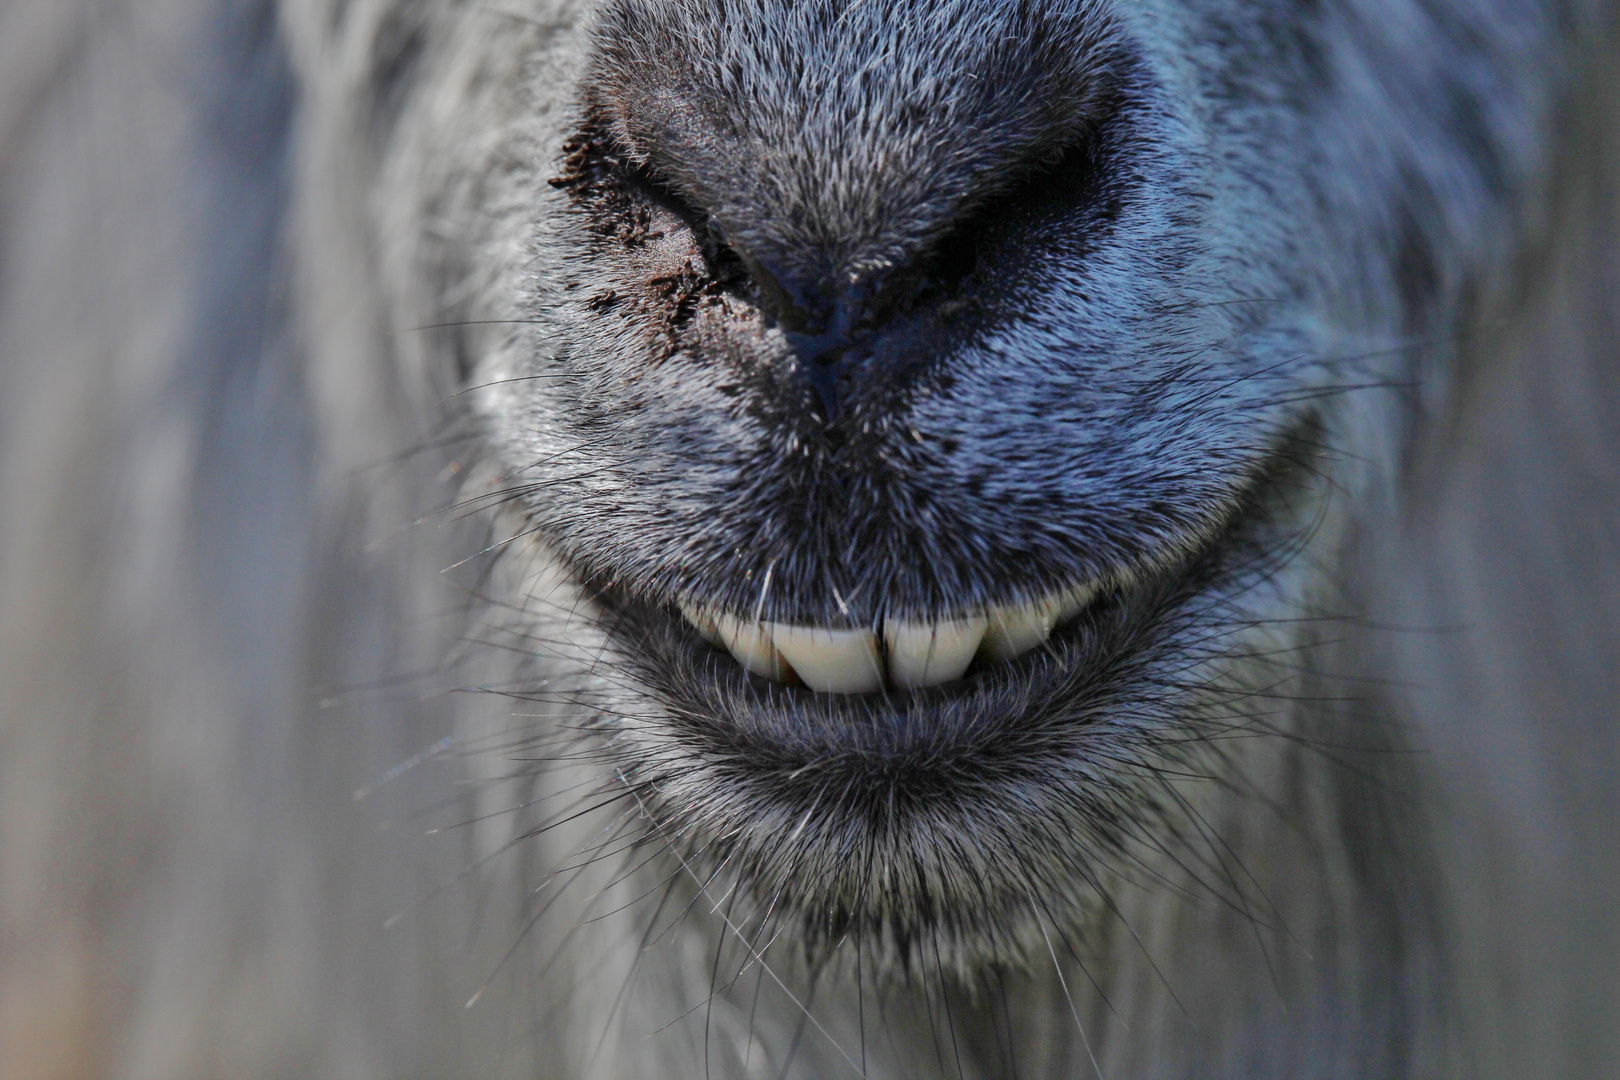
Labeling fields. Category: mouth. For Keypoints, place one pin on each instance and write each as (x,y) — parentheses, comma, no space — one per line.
(898,654)
(881,754)
(770,698)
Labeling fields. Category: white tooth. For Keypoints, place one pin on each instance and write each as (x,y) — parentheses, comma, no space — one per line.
(750,643)
(1016,630)
(1073,600)
(832,661)
(703,621)
(927,654)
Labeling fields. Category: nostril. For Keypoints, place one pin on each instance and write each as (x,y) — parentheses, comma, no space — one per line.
(847,328)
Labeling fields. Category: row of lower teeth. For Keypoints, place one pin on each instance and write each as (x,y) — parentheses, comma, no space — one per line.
(901,654)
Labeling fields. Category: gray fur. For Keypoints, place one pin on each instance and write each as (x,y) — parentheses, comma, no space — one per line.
(1307,347)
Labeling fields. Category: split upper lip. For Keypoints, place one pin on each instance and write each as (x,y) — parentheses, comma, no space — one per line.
(899,652)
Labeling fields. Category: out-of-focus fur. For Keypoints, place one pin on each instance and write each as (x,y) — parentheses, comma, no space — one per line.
(250,653)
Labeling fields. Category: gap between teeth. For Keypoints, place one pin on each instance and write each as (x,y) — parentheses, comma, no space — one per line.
(912,654)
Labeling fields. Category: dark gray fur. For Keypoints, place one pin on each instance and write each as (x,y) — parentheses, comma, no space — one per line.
(1295,322)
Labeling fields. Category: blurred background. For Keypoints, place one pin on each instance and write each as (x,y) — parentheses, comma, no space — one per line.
(218,623)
